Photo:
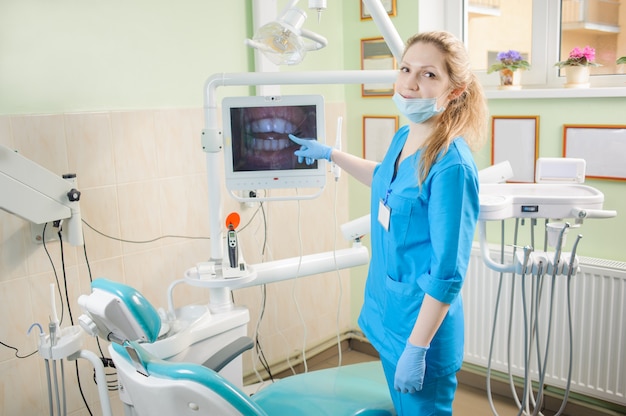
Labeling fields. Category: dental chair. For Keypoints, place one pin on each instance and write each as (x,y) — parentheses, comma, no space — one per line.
(152,386)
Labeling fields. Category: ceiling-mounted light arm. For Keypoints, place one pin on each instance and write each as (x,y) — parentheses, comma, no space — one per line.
(387,29)
(317,41)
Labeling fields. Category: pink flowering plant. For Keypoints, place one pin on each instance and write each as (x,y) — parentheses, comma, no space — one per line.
(580,57)
(511,60)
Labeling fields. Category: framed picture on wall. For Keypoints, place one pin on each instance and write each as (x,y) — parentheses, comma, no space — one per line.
(601,146)
(375,54)
(515,138)
(377,134)
(389,5)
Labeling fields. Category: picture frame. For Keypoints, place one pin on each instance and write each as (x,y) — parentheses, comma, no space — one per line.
(516,139)
(378,131)
(601,146)
(389,5)
(376,55)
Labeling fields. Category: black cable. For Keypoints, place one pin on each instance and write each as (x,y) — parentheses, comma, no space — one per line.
(17,350)
(143,241)
(69,312)
(257,343)
(264,230)
(80,389)
(258,348)
(67,296)
(264,362)
(262,209)
(54,270)
(90,281)
(112,385)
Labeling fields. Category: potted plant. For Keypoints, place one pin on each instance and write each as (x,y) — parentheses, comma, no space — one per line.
(577,66)
(507,66)
(621,60)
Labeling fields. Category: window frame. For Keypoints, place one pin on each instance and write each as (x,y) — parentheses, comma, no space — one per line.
(545,49)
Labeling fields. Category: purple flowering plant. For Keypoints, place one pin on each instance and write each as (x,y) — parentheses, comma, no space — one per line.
(511,60)
(580,57)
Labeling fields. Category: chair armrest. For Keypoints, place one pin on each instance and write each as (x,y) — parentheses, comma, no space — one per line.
(229,352)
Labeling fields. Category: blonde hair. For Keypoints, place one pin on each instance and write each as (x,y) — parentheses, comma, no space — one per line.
(465,115)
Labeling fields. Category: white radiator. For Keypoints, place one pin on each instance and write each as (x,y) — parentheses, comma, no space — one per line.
(598,305)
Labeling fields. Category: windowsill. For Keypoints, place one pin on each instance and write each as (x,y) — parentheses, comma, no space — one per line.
(592,92)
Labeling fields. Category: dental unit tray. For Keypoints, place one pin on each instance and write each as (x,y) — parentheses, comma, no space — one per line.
(528,200)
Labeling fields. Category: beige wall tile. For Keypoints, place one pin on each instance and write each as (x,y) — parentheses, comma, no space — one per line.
(6,137)
(140,216)
(100,212)
(90,148)
(16,302)
(12,234)
(22,389)
(177,138)
(41,138)
(184,205)
(134,145)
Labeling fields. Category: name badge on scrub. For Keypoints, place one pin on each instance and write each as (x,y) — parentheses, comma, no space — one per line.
(384,212)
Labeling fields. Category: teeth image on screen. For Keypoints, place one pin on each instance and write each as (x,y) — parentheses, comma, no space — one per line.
(266,144)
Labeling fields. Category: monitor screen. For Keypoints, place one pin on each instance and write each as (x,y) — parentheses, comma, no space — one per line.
(258,152)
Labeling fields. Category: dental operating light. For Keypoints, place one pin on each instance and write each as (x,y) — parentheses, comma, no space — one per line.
(284,41)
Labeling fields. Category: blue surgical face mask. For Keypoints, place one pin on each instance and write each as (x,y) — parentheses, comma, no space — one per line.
(417,110)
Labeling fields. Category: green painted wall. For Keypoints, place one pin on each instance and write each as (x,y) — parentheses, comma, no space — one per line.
(71,55)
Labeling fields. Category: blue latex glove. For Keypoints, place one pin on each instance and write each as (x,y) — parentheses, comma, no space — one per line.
(410,369)
(311,150)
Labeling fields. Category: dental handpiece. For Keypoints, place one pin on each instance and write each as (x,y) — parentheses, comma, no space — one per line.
(559,248)
(52,327)
(572,259)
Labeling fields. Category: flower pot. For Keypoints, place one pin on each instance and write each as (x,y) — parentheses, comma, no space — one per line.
(576,77)
(510,80)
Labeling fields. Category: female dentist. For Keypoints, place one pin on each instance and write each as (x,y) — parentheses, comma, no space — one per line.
(424,209)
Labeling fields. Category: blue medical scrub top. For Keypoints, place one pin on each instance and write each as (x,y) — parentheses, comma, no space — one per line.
(426,249)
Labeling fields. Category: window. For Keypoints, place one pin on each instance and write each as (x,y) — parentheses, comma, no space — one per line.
(544,31)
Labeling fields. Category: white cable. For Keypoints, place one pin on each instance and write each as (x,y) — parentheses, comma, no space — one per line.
(293,290)
(286,341)
(338,323)
(263,255)
(334,168)
(276,327)
(255,357)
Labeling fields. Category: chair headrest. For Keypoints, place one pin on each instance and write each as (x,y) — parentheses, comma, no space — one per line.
(118,313)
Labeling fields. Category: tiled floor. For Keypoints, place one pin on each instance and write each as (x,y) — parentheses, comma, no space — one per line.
(471,397)
(470,401)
